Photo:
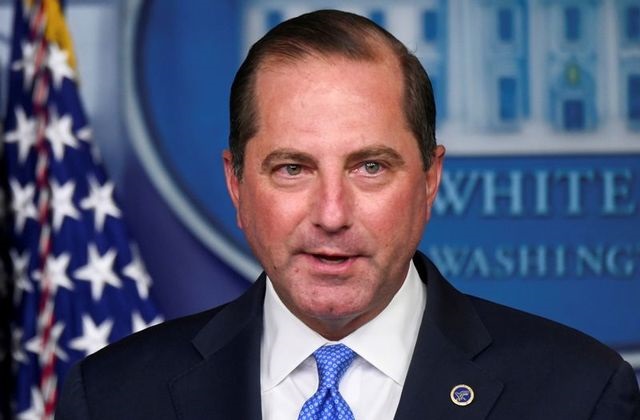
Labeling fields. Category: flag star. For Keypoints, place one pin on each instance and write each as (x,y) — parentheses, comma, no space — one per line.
(36,410)
(137,272)
(62,202)
(100,199)
(17,352)
(98,271)
(35,345)
(56,271)
(59,133)
(27,63)
(25,134)
(22,203)
(94,337)
(84,133)
(21,282)
(138,323)
(57,61)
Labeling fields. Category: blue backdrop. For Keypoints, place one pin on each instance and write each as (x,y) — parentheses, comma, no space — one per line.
(540,203)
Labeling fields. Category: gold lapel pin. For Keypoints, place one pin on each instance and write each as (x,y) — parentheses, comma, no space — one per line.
(462,395)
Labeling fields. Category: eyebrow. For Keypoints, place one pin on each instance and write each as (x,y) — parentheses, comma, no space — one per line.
(377,153)
(286,155)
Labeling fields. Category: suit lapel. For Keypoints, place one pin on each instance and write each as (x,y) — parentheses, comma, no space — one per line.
(226,382)
(451,335)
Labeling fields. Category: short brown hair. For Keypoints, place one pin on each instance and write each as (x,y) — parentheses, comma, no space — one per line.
(326,33)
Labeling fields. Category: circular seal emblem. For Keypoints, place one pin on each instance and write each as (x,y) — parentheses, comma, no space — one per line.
(462,395)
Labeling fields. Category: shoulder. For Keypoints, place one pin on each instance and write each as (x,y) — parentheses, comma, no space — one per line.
(161,352)
(132,378)
(129,378)
(515,330)
(535,356)
(159,341)
(546,370)
(152,356)
(515,337)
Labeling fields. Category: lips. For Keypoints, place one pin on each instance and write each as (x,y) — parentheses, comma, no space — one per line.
(331,259)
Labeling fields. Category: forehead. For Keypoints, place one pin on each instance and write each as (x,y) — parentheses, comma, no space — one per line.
(296,83)
(331,106)
(372,50)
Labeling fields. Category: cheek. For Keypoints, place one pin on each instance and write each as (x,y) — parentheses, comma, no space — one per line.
(268,216)
(249,213)
(396,207)
(399,216)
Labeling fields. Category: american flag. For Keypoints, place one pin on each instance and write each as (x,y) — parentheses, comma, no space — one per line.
(78,282)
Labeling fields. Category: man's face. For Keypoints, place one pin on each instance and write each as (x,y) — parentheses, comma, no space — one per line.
(334,197)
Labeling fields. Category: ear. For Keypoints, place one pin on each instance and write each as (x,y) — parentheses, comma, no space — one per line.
(233,184)
(434,174)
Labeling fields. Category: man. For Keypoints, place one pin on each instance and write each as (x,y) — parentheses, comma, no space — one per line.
(333,168)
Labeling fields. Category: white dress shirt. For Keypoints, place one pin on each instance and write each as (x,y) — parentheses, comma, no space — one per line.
(373,383)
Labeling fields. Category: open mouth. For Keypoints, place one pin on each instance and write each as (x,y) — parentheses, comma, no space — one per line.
(331,259)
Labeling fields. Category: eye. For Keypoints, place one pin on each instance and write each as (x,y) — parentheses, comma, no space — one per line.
(293,169)
(372,168)
(290,169)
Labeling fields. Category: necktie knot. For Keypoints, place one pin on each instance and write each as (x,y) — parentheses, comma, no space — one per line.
(327,403)
(333,361)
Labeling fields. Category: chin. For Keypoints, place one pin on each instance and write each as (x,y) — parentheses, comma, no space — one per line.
(335,311)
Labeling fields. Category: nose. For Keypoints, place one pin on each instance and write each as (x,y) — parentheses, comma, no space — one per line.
(333,204)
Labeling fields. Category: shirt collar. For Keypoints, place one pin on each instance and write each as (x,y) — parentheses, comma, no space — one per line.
(386,342)
(286,341)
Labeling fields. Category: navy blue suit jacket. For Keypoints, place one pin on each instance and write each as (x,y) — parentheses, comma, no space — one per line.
(207,366)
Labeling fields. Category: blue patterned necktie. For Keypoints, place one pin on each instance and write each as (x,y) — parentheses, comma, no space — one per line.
(327,403)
